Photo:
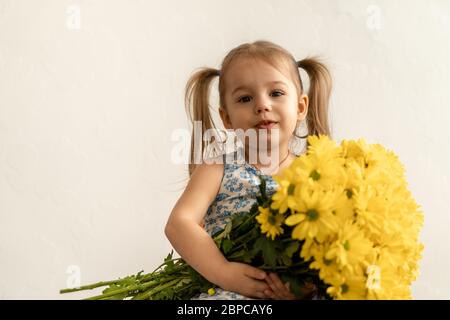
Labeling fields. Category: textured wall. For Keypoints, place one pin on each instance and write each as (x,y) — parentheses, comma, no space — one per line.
(91,92)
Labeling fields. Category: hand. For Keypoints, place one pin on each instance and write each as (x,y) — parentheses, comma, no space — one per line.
(280,291)
(244,279)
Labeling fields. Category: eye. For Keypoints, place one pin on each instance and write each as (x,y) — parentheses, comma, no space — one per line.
(275,91)
(243,97)
(281,93)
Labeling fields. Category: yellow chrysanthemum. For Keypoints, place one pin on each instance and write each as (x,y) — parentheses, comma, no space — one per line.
(313,217)
(355,149)
(383,281)
(270,222)
(323,147)
(323,171)
(355,174)
(284,197)
(350,248)
(343,206)
(371,210)
(328,269)
(310,248)
(348,288)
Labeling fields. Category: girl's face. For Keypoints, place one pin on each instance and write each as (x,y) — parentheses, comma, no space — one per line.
(256,91)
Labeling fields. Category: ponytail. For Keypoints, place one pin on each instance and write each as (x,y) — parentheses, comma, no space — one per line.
(197,106)
(319,94)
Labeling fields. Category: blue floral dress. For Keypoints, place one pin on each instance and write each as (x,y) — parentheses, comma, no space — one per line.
(237,193)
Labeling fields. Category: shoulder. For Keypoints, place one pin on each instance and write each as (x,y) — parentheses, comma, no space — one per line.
(211,167)
(206,180)
(201,190)
(210,171)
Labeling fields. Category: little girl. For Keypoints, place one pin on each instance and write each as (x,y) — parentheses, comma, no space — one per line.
(260,88)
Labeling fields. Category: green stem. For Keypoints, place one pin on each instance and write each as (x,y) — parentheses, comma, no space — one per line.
(237,248)
(148,294)
(139,287)
(164,263)
(90,286)
(239,239)
(302,264)
(175,269)
(107,283)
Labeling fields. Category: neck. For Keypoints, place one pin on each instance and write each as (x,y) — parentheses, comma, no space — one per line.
(269,162)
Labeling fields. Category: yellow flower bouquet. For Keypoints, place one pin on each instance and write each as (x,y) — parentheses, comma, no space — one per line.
(358,223)
(342,219)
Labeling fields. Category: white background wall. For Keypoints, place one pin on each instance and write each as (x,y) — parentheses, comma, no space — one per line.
(91,91)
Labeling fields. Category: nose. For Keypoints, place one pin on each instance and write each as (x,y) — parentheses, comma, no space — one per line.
(263,105)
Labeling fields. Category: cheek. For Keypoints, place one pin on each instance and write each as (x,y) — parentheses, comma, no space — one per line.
(287,128)
(289,120)
(241,120)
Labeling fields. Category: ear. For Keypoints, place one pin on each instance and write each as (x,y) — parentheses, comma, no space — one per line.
(302,107)
(225,118)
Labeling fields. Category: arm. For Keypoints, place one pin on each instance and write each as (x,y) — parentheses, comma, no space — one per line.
(184,230)
(195,245)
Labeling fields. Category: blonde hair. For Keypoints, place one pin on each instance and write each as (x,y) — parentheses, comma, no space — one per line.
(320,85)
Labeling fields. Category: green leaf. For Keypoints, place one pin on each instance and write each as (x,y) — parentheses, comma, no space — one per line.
(254,209)
(266,247)
(260,201)
(284,260)
(227,230)
(166,294)
(246,226)
(247,256)
(224,233)
(291,248)
(183,282)
(227,245)
(169,264)
(238,219)
(262,187)
(218,241)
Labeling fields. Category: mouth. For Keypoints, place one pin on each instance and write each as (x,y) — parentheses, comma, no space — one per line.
(266,124)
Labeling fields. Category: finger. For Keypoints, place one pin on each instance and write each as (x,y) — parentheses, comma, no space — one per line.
(312,289)
(270,282)
(308,288)
(280,287)
(275,294)
(290,295)
(260,295)
(288,286)
(277,287)
(269,293)
(281,291)
(306,291)
(255,273)
(259,285)
(311,286)
(257,288)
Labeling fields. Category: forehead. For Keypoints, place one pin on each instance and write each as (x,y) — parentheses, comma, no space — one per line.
(247,73)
